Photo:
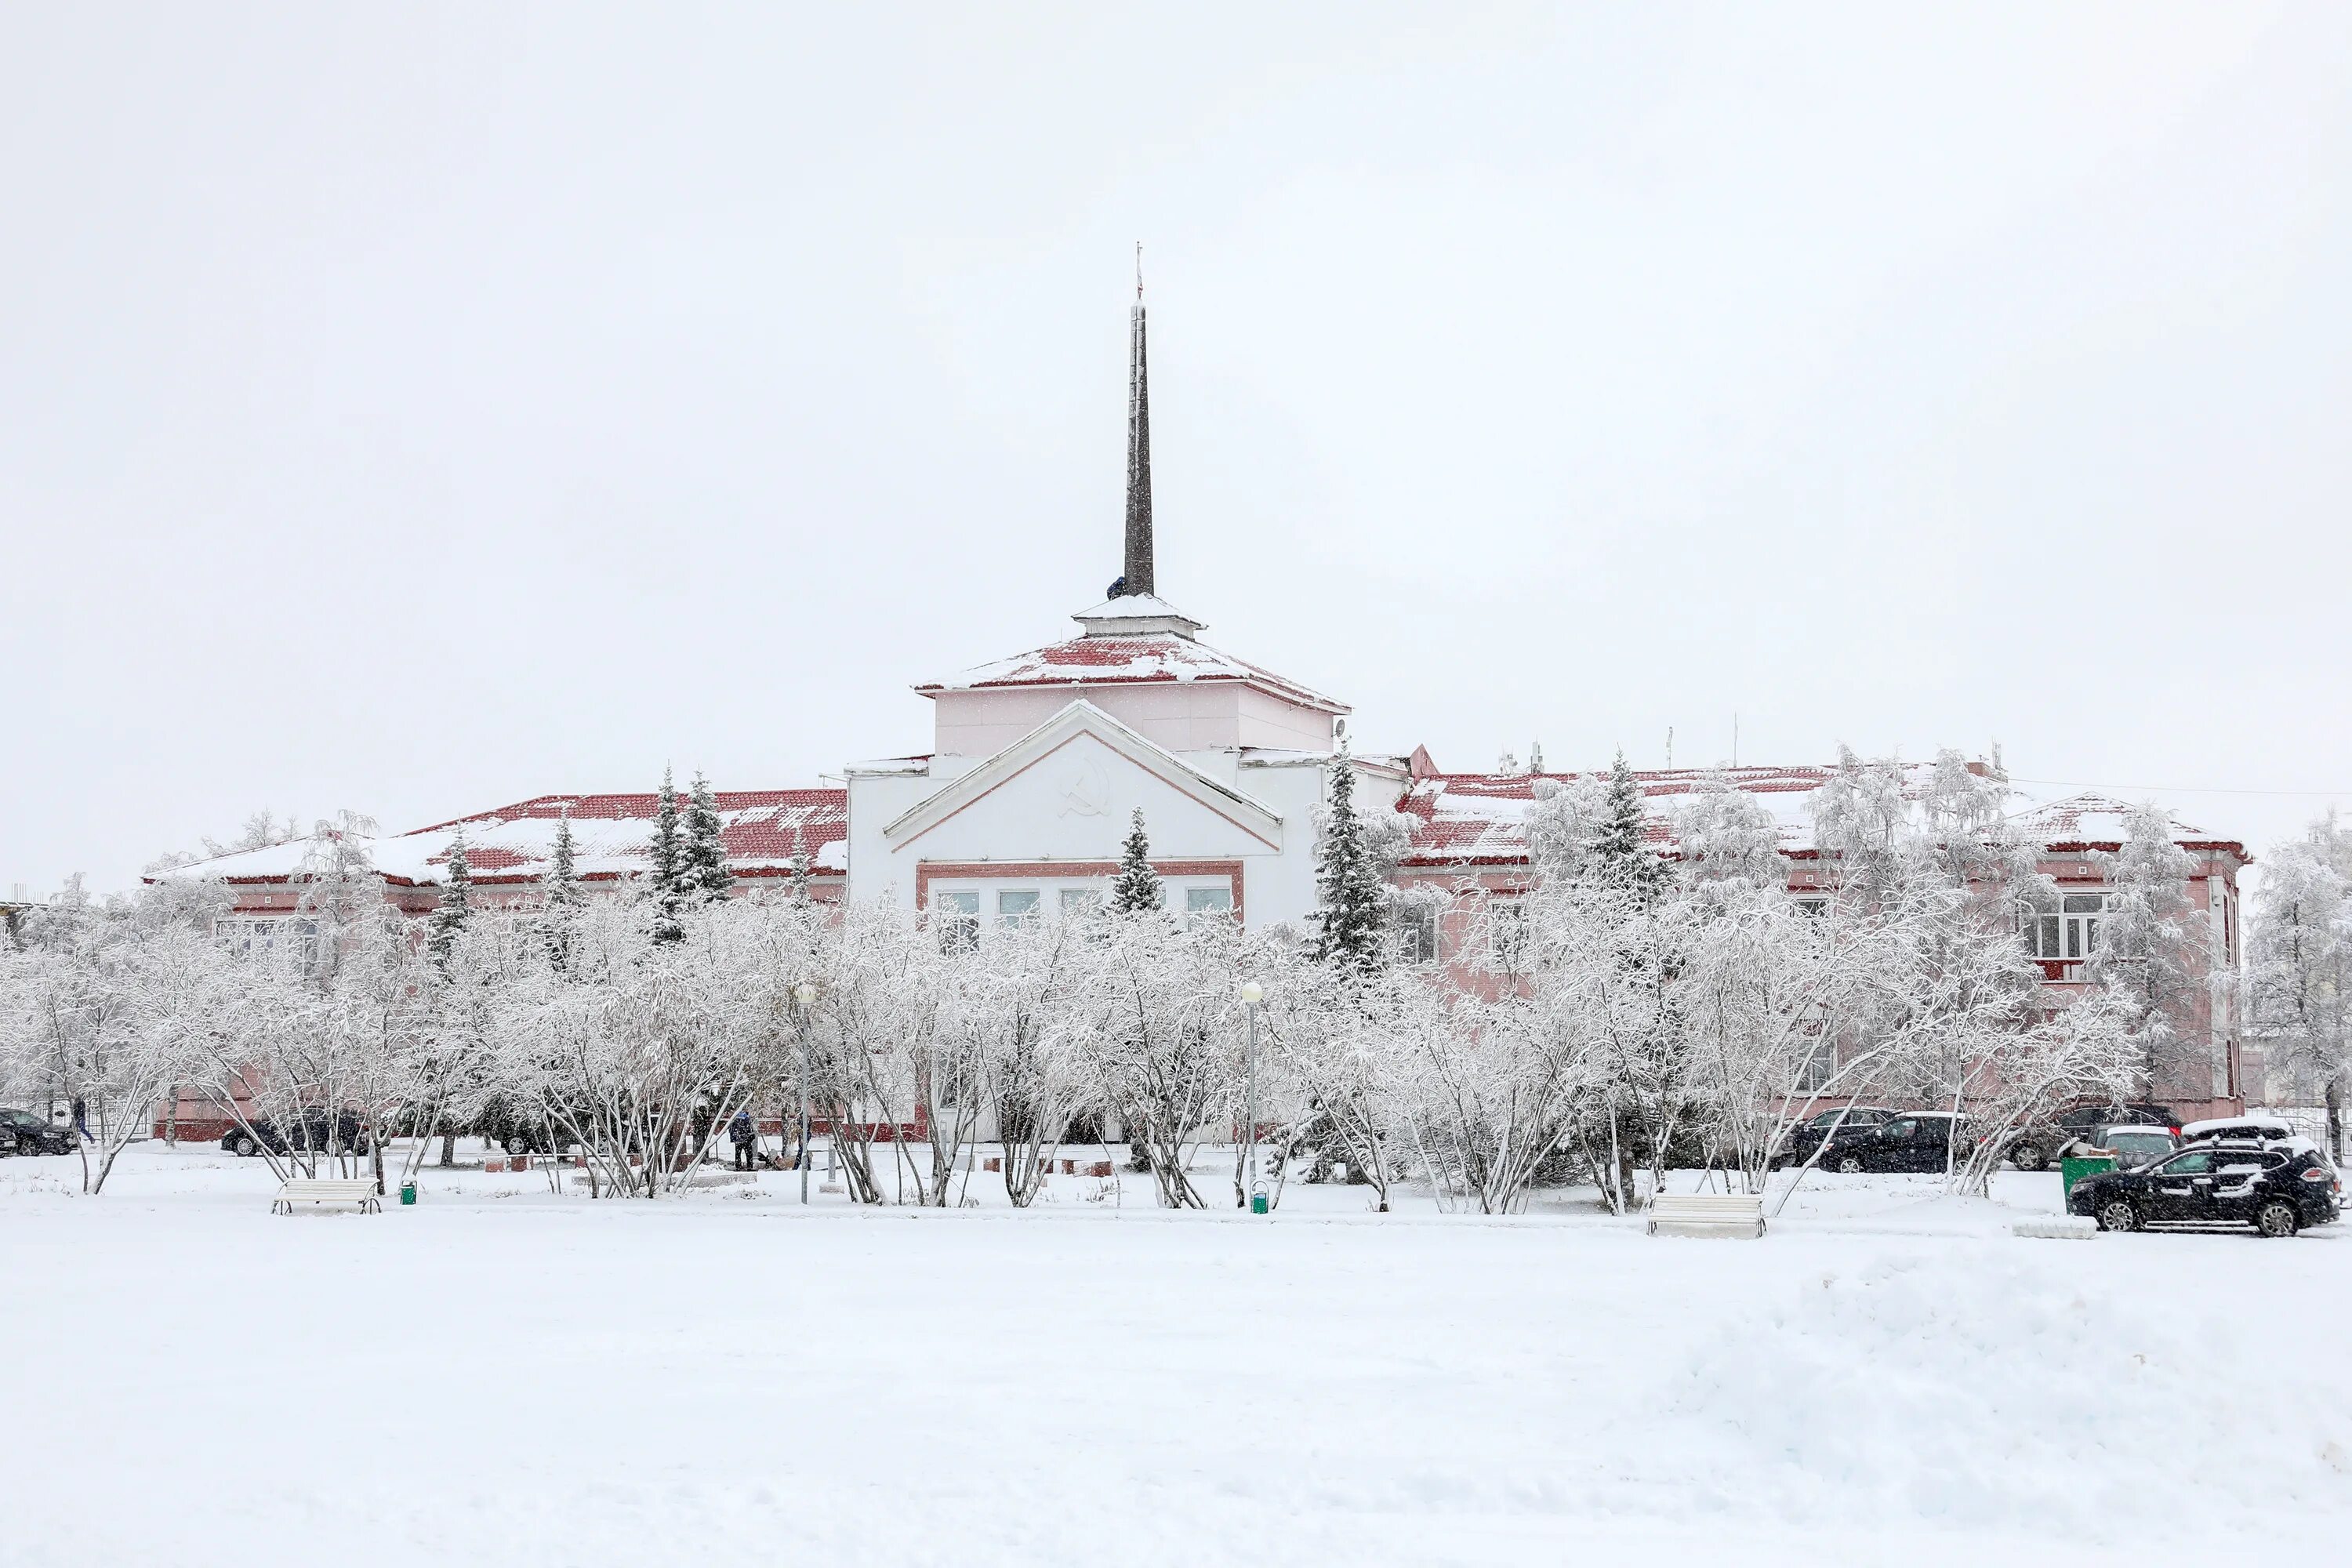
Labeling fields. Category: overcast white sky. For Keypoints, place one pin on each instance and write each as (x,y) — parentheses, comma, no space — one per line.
(416,410)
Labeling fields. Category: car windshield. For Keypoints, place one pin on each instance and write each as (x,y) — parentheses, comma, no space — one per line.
(2135,1149)
(23,1117)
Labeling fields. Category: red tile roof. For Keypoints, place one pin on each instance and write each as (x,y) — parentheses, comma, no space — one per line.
(1112,660)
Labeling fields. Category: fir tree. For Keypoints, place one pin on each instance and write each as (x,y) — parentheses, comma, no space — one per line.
(457,905)
(1620,858)
(1349,926)
(562,899)
(703,877)
(668,858)
(1137,887)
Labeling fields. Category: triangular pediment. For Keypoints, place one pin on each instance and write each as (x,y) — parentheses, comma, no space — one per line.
(1080,739)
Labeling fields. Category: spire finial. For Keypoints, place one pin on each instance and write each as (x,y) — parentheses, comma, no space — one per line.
(1138,579)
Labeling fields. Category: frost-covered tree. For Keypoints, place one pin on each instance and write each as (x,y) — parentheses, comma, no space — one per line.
(1350,921)
(703,874)
(1137,887)
(457,902)
(2299,967)
(560,898)
(666,858)
(2152,952)
(1620,856)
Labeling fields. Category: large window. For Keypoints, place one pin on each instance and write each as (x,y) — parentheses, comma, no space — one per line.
(249,937)
(958,910)
(1017,906)
(1201,903)
(1507,933)
(1078,903)
(2065,930)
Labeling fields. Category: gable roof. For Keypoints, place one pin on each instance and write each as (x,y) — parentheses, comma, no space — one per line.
(1082,718)
(1127,660)
(611,834)
(2096,821)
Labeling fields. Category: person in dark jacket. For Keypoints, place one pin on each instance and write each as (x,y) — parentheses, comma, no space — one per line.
(743,1135)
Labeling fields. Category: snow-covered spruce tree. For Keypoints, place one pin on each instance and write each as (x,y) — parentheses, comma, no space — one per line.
(2299,969)
(703,875)
(560,898)
(667,858)
(1136,888)
(457,905)
(1620,856)
(1350,923)
(2151,954)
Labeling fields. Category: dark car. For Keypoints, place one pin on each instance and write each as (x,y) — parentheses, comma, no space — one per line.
(2034,1148)
(316,1130)
(21,1132)
(1907,1141)
(2278,1190)
(1806,1136)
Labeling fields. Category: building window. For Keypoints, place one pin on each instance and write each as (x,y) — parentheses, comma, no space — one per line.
(959,915)
(1818,1069)
(1507,933)
(1814,906)
(1417,933)
(249,938)
(1200,902)
(1017,906)
(1078,903)
(2065,930)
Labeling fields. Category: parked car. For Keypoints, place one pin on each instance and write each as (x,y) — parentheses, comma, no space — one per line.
(1907,1141)
(2034,1149)
(21,1132)
(1807,1135)
(317,1129)
(2277,1189)
(2135,1146)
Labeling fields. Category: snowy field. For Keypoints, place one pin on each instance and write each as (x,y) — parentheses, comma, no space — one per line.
(501,1374)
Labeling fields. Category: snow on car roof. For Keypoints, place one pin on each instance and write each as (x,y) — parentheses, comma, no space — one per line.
(2270,1126)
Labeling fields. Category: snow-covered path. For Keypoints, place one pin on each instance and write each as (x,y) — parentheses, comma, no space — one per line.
(519,1378)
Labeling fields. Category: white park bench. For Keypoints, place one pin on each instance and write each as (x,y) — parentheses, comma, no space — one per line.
(323,1190)
(1706,1213)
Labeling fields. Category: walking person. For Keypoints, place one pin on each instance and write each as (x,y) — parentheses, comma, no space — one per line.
(743,1135)
(82,1118)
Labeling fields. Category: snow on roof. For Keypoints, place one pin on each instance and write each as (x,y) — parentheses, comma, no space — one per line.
(1480,819)
(2092,820)
(1097,660)
(611,835)
(1475,819)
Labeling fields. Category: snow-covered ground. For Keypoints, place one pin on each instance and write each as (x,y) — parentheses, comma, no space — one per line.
(501,1374)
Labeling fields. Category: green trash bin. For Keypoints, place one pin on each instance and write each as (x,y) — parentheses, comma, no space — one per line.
(1257,1202)
(2075,1167)
(408,1192)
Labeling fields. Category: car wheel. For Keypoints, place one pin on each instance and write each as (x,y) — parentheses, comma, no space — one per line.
(515,1143)
(2028,1157)
(2117,1213)
(242,1148)
(1850,1166)
(2276,1220)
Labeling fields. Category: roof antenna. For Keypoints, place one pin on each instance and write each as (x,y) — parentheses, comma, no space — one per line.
(1670,748)
(1138,269)
(1735,737)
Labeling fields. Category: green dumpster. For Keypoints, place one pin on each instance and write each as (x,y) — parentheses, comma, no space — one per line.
(2075,1167)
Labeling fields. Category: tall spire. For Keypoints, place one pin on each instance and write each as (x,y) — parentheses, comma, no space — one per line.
(1138,448)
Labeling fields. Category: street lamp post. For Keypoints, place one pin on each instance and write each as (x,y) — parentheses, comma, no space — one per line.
(805,995)
(1252,994)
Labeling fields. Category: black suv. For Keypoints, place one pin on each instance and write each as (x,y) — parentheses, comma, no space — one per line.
(1907,1141)
(2036,1146)
(1806,1136)
(21,1132)
(2278,1190)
